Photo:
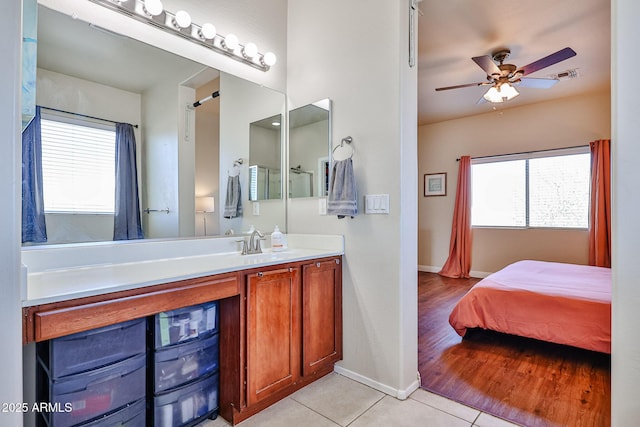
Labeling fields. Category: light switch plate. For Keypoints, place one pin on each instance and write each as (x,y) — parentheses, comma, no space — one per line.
(376,204)
(322,206)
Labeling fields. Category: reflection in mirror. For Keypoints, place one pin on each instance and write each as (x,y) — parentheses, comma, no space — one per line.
(265,142)
(309,145)
(85,69)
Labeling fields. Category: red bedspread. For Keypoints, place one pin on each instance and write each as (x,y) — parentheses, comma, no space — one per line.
(561,303)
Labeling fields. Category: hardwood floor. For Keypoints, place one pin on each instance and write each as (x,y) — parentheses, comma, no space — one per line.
(525,381)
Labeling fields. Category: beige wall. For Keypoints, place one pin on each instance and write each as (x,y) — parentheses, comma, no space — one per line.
(379,273)
(565,122)
(208,156)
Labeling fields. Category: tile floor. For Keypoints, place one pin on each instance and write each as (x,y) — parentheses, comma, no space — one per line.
(335,400)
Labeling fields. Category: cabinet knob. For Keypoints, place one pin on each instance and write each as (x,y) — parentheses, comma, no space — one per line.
(338,261)
(260,274)
(318,264)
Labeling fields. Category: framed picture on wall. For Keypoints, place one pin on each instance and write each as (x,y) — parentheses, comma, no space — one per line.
(435,184)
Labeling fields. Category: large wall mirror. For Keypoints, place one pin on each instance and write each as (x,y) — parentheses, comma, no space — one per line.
(309,146)
(184,154)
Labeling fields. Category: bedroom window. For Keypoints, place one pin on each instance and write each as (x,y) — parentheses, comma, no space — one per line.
(78,165)
(547,189)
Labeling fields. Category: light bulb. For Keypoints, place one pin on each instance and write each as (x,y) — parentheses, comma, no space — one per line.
(153,7)
(231,42)
(502,93)
(269,59)
(182,19)
(250,50)
(208,31)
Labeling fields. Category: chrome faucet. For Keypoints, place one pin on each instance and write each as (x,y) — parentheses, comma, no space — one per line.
(254,244)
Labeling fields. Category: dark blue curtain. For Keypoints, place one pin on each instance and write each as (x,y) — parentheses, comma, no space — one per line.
(34,229)
(126,224)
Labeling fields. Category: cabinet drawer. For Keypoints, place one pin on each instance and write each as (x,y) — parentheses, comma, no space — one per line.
(184,324)
(133,415)
(88,395)
(84,351)
(175,366)
(187,404)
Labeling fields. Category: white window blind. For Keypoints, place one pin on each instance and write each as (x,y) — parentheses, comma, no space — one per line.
(78,166)
(541,189)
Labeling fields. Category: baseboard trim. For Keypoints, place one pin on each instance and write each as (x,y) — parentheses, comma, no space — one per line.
(399,394)
(472,273)
(429,268)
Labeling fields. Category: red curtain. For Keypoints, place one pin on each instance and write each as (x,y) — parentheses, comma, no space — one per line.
(459,262)
(600,217)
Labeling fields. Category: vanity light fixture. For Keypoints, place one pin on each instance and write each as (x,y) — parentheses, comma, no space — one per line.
(230,42)
(152,12)
(181,20)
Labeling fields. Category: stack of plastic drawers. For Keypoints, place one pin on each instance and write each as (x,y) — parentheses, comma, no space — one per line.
(94,378)
(185,365)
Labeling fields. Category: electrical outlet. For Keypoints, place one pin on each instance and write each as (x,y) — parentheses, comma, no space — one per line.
(256,208)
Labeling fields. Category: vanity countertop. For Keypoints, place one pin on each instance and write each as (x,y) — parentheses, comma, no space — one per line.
(59,273)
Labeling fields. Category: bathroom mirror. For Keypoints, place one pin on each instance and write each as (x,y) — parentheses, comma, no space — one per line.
(183,154)
(309,146)
(265,166)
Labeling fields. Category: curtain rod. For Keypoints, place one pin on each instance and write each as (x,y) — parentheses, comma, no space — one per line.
(208,98)
(83,115)
(526,152)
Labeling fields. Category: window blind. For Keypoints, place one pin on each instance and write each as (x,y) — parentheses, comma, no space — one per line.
(78,166)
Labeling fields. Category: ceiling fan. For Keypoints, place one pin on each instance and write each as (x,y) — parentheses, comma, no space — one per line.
(502,77)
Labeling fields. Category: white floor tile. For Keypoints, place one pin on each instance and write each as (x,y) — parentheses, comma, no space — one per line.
(446,405)
(338,398)
(486,420)
(287,413)
(391,412)
(218,422)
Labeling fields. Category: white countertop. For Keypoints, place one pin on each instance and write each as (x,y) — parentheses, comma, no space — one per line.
(63,272)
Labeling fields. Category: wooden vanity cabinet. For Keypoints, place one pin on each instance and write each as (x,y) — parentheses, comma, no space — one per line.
(321,315)
(273,332)
(293,331)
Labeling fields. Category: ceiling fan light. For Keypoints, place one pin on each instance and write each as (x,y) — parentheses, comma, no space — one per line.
(508,91)
(502,93)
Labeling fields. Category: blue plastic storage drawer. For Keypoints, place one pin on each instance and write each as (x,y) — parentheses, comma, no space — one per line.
(133,415)
(177,365)
(188,404)
(87,350)
(88,395)
(183,324)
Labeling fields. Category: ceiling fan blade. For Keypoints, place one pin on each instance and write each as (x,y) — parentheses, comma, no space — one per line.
(486,63)
(547,61)
(535,83)
(460,86)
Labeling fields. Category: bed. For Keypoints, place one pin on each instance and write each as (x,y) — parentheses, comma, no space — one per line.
(561,303)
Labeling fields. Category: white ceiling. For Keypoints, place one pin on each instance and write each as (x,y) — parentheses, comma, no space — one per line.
(451,32)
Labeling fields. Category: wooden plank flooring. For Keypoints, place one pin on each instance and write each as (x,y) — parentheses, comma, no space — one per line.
(525,381)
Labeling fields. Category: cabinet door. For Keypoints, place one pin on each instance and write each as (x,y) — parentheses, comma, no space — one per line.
(321,315)
(273,332)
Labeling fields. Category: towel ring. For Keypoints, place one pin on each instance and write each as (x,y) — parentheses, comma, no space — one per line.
(235,171)
(348,140)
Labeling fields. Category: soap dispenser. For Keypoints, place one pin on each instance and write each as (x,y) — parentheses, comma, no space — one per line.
(277,240)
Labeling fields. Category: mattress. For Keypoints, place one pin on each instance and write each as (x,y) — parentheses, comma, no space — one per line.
(561,303)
